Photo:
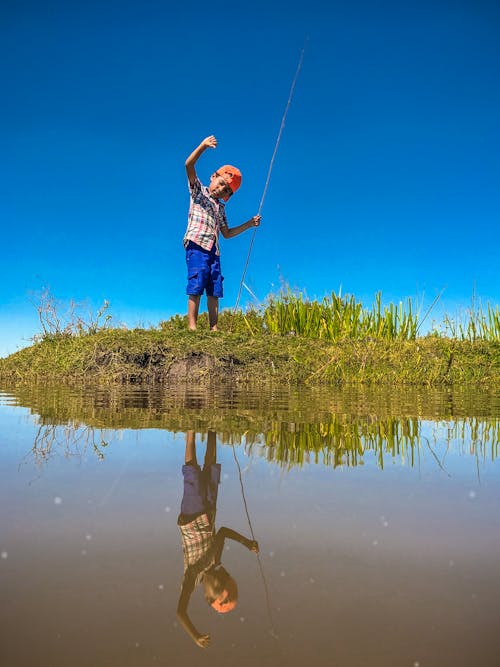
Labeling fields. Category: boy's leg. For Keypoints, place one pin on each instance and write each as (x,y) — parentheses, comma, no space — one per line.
(190,456)
(200,487)
(211,451)
(197,261)
(194,496)
(193,308)
(211,472)
(214,290)
(213,312)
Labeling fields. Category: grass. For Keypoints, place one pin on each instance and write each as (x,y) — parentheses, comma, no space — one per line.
(166,356)
(290,339)
(339,317)
(474,324)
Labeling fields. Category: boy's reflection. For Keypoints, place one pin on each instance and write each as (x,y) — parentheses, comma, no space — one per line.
(202,546)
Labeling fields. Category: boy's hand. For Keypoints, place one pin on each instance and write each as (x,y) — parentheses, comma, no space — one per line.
(253,546)
(209,142)
(255,220)
(203,641)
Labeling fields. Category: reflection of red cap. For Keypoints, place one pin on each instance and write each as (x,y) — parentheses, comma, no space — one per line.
(228,599)
(232,176)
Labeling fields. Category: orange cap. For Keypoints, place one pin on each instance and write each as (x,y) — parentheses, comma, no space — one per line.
(224,607)
(228,599)
(232,176)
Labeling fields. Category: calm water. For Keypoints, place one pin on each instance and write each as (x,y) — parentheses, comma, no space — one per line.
(377,515)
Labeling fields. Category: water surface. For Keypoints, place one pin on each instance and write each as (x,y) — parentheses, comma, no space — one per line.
(377,516)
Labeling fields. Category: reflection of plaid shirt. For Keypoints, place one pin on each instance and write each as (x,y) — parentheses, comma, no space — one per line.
(197,539)
(205,218)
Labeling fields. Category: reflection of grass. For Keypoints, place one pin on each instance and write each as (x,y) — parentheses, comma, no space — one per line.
(345,442)
(341,441)
(332,428)
(338,442)
(70,440)
(482,434)
(242,409)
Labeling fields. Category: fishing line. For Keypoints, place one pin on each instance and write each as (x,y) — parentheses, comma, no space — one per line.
(264,581)
(436,299)
(271,164)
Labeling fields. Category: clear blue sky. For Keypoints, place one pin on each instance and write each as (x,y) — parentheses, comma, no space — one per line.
(387,176)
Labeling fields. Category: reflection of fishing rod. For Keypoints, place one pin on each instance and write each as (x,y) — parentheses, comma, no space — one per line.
(272,631)
(271,164)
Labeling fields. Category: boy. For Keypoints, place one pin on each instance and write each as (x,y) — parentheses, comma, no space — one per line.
(206,219)
(202,547)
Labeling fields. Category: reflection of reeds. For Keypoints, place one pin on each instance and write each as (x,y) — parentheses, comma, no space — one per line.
(68,440)
(345,441)
(341,441)
(336,427)
(478,437)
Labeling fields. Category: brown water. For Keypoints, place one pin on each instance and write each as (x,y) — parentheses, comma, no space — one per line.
(377,515)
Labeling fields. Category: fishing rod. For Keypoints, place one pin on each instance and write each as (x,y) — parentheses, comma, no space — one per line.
(271,165)
(272,630)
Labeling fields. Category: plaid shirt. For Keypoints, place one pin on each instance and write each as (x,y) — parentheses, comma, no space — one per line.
(197,541)
(205,219)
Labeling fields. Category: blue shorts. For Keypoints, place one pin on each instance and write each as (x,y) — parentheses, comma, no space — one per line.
(200,488)
(203,271)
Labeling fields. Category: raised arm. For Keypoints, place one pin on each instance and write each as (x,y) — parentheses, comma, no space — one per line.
(203,641)
(208,142)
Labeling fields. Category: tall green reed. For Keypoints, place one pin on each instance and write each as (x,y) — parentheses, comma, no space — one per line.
(475,324)
(339,317)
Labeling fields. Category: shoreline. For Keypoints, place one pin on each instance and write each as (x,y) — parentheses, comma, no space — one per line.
(152,356)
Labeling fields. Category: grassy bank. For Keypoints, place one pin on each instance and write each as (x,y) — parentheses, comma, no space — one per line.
(290,339)
(171,355)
